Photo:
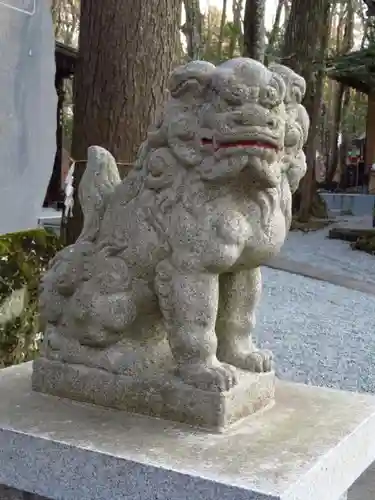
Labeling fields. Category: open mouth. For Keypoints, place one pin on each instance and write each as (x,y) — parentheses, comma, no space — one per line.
(239,144)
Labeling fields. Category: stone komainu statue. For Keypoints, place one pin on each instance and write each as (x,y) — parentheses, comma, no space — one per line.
(166,271)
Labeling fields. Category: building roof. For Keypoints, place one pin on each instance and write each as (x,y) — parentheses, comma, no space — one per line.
(355,69)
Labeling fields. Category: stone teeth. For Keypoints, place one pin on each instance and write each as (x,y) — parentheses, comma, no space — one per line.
(206,133)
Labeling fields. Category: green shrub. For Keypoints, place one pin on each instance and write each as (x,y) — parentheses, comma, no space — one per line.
(23,259)
(365,243)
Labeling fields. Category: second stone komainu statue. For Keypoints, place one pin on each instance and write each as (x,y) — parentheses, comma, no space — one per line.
(152,309)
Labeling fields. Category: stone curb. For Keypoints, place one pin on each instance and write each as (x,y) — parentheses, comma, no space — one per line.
(303,269)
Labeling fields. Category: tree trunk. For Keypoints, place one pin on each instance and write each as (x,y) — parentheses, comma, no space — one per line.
(310,199)
(126,52)
(275,30)
(343,151)
(254,29)
(65,15)
(192,28)
(328,92)
(337,115)
(304,47)
(208,33)
(237,35)
(287,12)
(335,102)
(343,47)
(346,134)
(316,206)
(222,26)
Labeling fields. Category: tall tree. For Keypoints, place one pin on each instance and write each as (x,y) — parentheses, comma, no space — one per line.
(222,26)
(254,29)
(275,29)
(304,48)
(126,52)
(287,12)
(65,15)
(339,110)
(237,30)
(192,28)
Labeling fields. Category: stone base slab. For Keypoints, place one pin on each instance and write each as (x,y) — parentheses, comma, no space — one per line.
(311,445)
(162,396)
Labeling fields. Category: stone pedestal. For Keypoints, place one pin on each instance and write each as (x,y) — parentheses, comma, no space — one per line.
(157,394)
(311,445)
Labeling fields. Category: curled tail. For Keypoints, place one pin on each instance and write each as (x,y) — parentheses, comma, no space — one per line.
(98,182)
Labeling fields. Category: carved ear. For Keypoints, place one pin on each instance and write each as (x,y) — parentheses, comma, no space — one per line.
(302,85)
(304,121)
(278,82)
(192,78)
(291,77)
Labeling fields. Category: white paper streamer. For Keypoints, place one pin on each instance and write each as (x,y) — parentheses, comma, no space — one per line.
(69,192)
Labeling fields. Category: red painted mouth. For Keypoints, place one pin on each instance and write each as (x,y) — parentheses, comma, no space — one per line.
(244,144)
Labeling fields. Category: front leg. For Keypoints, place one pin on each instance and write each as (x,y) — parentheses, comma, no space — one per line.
(188,300)
(239,297)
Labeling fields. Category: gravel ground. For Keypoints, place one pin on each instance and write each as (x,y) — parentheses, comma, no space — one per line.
(335,256)
(320,334)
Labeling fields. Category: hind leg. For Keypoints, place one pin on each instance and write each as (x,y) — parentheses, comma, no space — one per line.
(100,319)
(239,297)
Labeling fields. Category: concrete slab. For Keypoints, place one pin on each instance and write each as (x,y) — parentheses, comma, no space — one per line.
(312,444)
(320,274)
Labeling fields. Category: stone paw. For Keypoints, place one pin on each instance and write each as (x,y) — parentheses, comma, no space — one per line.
(213,377)
(258,361)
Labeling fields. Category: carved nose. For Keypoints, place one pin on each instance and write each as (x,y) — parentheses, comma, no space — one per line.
(243,119)
(271,122)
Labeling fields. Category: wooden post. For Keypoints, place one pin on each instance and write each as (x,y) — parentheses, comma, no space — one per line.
(54,194)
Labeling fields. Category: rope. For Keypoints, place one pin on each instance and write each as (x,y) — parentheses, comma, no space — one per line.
(126,164)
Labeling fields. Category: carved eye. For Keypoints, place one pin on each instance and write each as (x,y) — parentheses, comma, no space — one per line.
(182,128)
(235,94)
(253,93)
(296,94)
(231,96)
(269,96)
(278,85)
(219,101)
(234,98)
